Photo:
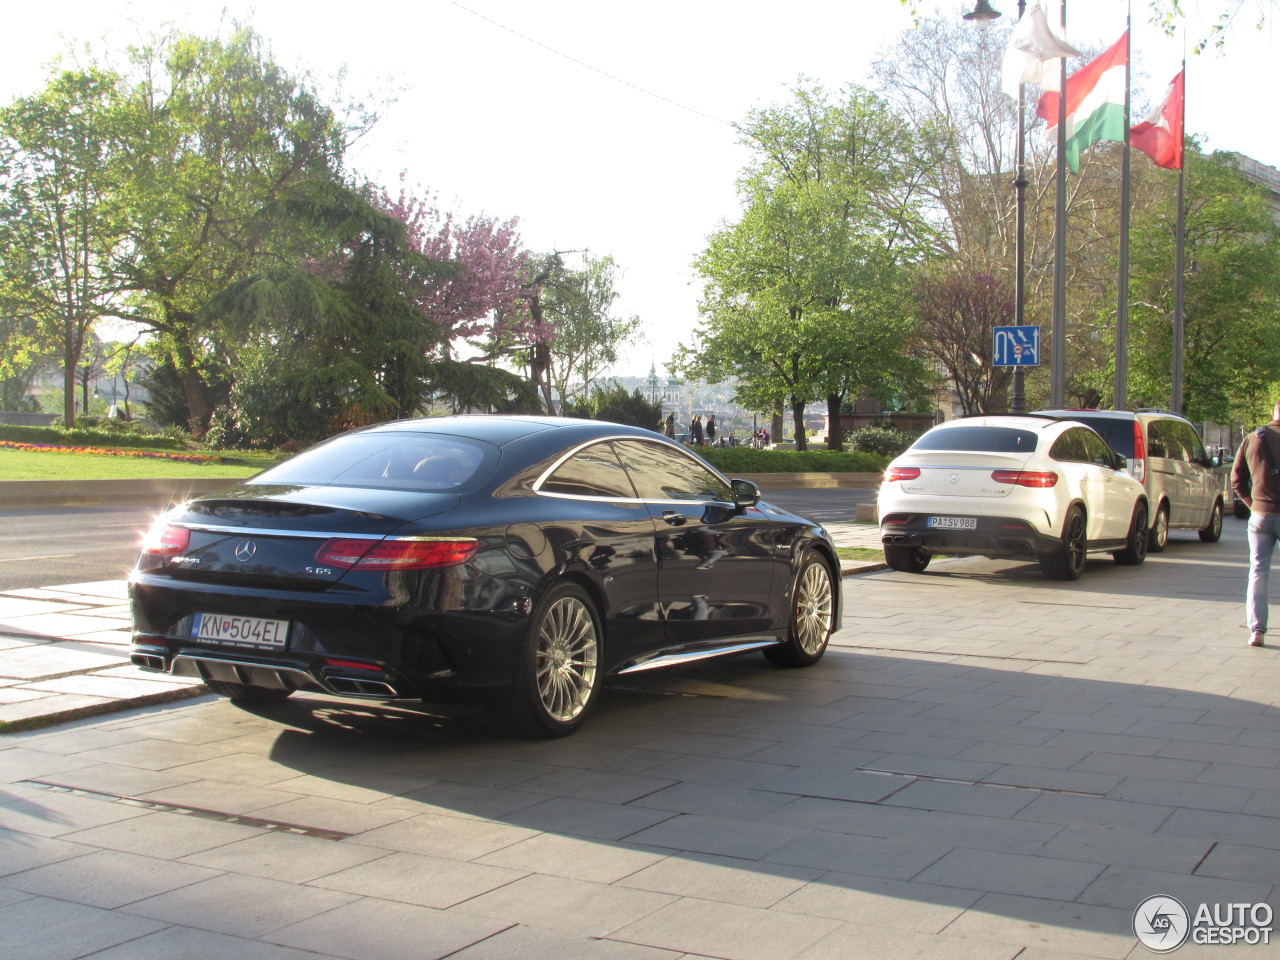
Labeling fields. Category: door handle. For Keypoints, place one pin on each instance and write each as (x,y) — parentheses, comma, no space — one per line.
(674,517)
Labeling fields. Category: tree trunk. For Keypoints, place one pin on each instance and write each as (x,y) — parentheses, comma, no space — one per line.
(835,429)
(797,424)
(193,388)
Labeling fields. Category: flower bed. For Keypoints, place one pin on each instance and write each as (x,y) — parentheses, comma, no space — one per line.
(117,452)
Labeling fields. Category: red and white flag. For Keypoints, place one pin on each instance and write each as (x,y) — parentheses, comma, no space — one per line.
(1160,135)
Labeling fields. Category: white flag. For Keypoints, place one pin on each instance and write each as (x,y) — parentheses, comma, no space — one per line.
(1034,52)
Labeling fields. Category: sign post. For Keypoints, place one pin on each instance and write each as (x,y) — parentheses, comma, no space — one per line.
(1016,347)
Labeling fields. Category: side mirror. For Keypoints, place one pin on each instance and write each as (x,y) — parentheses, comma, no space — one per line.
(745,494)
(1215,461)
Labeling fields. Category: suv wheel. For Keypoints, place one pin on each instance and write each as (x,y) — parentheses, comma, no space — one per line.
(1135,545)
(1159,530)
(1213,532)
(1067,562)
(906,559)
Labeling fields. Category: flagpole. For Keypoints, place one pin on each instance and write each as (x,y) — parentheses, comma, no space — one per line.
(1121,398)
(1018,401)
(1179,320)
(1057,354)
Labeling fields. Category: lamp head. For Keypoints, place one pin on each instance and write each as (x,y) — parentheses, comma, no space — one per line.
(983,14)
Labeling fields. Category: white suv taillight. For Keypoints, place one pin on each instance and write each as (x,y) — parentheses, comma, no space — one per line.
(1139,453)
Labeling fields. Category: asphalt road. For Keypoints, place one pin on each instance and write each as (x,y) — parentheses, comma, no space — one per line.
(42,546)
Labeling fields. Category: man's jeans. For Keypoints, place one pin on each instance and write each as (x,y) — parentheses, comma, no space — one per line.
(1264,530)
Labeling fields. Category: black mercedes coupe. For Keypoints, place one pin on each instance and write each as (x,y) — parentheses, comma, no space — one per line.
(516,560)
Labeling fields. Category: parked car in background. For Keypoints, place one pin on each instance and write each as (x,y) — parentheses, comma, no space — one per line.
(1187,488)
(1011,486)
(518,561)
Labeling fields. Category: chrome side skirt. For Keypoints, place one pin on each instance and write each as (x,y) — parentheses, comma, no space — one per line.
(661,660)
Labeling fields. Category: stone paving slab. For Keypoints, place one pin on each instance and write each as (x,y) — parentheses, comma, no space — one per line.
(980,768)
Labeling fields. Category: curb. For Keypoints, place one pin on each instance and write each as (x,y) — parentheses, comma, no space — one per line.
(61,493)
(97,709)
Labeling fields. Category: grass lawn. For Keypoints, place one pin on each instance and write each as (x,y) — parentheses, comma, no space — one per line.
(32,465)
(860,553)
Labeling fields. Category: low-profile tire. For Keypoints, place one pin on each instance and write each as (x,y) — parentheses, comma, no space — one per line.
(246,693)
(1212,533)
(1159,536)
(1067,562)
(906,559)
(1135,544)
(558,671)
(812,616)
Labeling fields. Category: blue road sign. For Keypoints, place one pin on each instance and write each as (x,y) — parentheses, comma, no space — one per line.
(1017,347)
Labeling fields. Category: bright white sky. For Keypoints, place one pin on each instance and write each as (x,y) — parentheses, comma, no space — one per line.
(493,121)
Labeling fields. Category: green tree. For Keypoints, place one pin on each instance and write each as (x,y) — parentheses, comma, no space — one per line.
(804,296)
(579,304)
(217,134)
(1231,299)
(61,225)
(615,405)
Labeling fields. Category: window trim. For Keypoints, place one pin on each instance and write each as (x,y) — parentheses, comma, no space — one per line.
(656,441)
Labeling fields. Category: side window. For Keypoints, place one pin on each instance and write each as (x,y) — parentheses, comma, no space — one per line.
(1099,452)
(1070,447)
(1192,444)
(660,473)
(591,472)
(1158,439)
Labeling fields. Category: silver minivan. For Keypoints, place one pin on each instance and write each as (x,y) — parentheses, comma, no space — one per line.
(1185,486)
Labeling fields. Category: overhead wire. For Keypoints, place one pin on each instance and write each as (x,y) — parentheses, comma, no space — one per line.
(587,66)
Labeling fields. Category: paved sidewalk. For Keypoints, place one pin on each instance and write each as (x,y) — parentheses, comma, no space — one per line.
(64,650)
(986,766)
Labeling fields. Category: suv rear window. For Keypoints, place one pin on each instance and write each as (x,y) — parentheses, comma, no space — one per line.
(978,440)
(1117,433)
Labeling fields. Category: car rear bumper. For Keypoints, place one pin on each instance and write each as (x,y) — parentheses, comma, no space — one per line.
(991,537)
(374,652)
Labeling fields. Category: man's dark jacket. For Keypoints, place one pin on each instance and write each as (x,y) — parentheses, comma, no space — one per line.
(1251,476)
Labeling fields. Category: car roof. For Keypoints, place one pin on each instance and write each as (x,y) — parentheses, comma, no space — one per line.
(500,430)
(1011,420)
(1070,414)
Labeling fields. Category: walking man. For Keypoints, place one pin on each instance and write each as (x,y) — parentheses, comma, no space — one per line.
(1256,480)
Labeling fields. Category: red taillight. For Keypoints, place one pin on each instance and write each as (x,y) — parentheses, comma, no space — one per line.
(1039,479)
(1139,454)
(166,540)
(396,554)
(901,473)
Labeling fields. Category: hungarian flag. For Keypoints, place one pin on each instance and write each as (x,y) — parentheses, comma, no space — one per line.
(1095,101)
(1160,135)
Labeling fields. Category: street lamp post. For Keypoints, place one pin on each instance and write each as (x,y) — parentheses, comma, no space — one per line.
(983,14)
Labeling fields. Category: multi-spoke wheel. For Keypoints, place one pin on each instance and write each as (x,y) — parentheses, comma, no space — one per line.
(813,606)
(1067,562)
(1159,530)
(557,673)
(1135,544)
(1212,533)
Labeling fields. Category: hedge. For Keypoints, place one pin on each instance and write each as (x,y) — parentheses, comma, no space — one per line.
(749,460)
(89,436)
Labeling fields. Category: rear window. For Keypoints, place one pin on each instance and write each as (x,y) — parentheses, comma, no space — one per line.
(402,461)
(978,440)
(1117,433)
